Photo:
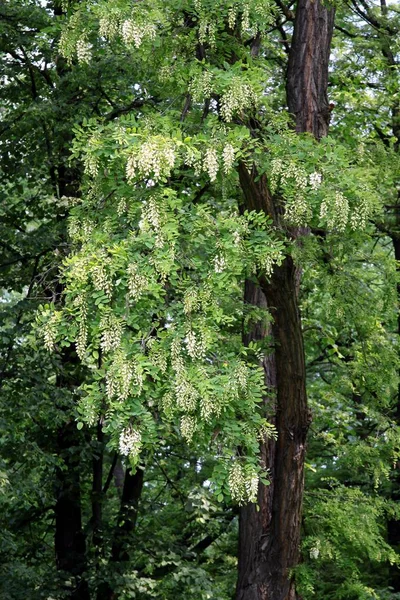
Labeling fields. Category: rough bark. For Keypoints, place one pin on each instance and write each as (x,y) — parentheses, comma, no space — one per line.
(126,522)
(97,489)
(394,524)
(307,75)
(69,540)
(269,539)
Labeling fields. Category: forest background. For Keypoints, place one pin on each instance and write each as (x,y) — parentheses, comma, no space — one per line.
(180,181)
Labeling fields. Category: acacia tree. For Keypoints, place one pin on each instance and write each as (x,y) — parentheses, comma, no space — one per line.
(146,302)
(269,538)
(200,192)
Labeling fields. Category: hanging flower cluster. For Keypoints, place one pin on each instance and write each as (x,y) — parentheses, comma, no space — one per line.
(243,483)
(239,96)
(335,211)
(134,32)
(123,377)
(154,158)
(130,442)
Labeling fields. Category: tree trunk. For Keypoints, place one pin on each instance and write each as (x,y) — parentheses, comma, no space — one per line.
(307,75)
(126,521)
(394,524)
(269,539)
(69,540)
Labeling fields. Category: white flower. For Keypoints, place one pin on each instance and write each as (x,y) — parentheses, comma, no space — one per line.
(236,482)
(200,87)
(111,333)
(155,157)
(245,19)
(191,301)
(108,26)
(135,33)
(83,51)
(237,97)
(188,427)
(137,283)
(251,485)
(130,442)
(219,263)
(210,164)
(101,279)
(232,17)
(228,156)
(315,180)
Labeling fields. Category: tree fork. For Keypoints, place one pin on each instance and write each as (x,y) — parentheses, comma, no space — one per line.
(269,539)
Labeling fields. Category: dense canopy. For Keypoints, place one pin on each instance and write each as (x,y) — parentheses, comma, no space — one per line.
(199,285)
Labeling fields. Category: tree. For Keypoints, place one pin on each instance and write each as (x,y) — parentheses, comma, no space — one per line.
(194,203)
(269,542)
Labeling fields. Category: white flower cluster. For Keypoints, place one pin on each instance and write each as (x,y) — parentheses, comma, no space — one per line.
(130,442)
(50,331)
(122,207)
(228,157)
(136,32)
(137,283)
(243,484)
(207,33)
(81,340)
(91,164)
(210,163)
(298,211)
(195,344)
(295,172)
(67,45)
(188,427)
(315,180)
(288,172)
(83,51)
(152,221)
(241,375)
(122,375)
(315,550)
(245,19)
(359,217)
(193,159)
(74,229)
(79,270)
(89,410)
(208,407)
(155,157)
(200,87)
(232,15)
(157,355)
(185,392)
(109,25)
(335,210)
(191,301)
(219,263)
(237,238)
(101,278)
(111,332)
(238,97)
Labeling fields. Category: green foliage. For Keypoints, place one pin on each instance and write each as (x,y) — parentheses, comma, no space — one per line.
(123,129)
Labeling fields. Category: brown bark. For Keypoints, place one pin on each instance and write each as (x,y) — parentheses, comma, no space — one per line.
(126,522)
(307,75)
(69,540)
(394,524)
(269,539)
